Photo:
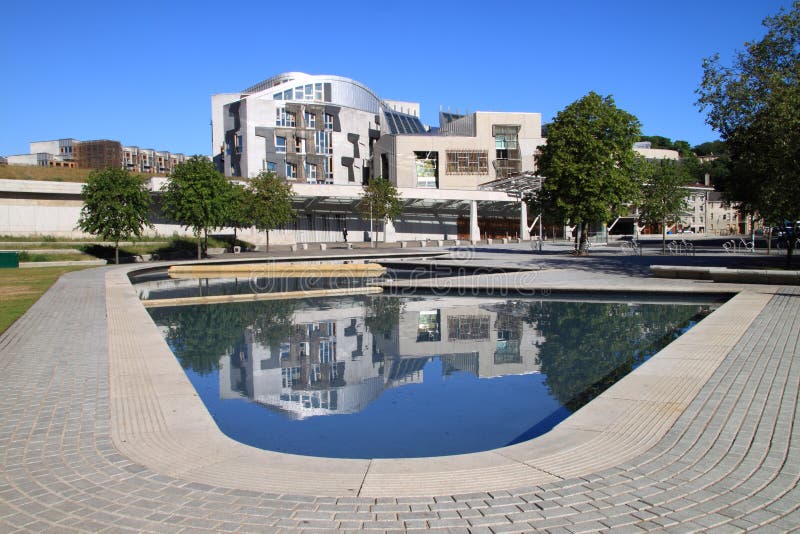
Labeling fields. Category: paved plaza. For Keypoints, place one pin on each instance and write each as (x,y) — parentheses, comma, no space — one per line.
(98,431)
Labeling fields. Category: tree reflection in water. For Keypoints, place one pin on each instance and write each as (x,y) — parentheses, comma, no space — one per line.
(588,346)
(200,335)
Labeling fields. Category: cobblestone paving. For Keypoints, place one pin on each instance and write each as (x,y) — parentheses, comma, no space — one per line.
(731,463)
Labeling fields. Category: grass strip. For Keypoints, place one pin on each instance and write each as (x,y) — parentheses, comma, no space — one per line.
(20,288)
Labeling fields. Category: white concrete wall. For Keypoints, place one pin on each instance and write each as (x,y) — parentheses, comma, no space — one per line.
(22,159)
(217,120)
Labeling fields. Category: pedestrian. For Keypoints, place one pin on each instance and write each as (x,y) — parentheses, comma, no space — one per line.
(344,233)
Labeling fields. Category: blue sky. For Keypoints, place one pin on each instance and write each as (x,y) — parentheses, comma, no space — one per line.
(143,72)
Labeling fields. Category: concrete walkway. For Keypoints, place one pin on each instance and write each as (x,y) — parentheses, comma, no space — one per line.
(80,417)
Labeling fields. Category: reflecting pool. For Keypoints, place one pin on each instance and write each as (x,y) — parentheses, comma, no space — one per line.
(408,376)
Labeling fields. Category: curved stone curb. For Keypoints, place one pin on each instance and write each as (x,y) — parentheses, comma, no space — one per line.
(159,421)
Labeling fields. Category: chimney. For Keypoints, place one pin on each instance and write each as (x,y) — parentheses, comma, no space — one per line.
(708,180)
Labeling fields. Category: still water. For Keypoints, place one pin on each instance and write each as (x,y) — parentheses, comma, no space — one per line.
(388,376)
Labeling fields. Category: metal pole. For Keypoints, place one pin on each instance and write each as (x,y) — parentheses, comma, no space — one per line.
(371,237)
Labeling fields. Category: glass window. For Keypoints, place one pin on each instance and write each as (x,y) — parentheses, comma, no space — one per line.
(299,145)
(298,93)
(328,121)
(311,172)
(278,96)
(310,119)
(323,142)
(287,94)
(280,144)
(309,92)
(291,171)
(317,91)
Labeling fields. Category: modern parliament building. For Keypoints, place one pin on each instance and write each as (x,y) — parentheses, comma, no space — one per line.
(330,135)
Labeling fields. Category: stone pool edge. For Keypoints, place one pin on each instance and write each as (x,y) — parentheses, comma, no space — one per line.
(158,420)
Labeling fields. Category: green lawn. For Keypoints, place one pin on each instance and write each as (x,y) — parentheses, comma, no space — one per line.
(20,288)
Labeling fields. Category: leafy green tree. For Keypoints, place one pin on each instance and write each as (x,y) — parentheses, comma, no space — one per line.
(381,201)
(237,211)
(270,203)
(196,197)
(755,106)
(664,198)
(589,163)
(116,206)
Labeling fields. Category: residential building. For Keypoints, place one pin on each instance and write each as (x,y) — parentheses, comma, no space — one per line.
(98,154)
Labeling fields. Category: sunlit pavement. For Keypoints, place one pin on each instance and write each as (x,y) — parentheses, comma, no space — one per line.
(730,459)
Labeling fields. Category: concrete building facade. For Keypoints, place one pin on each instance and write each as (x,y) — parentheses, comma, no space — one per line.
(329,135)
(98,154)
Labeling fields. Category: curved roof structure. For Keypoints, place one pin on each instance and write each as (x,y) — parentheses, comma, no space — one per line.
(344,91)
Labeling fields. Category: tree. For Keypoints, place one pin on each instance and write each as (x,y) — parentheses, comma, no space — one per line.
(755,106)
(237,211)
(116,206)
(270,202)
(589,163)
(381,201)
(664,198)
(196,197)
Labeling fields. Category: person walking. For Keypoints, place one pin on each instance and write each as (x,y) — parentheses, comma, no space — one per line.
(344,233)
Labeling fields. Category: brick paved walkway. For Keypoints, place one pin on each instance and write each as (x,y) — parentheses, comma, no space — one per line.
(731,461)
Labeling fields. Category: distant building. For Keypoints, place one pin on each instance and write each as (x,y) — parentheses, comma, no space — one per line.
(98,154)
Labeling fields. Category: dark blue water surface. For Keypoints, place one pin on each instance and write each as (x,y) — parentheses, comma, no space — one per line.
(387,377)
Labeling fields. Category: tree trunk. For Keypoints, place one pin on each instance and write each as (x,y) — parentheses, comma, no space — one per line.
(585,239)
(234,239)
(205,240)
(578,239)
(267,246)
(116,252)
(199,248)
(663,236)
(769,241)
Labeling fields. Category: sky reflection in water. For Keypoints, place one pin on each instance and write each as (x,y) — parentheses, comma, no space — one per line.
(384,377)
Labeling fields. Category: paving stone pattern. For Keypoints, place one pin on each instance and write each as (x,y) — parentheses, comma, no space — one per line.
(731,463)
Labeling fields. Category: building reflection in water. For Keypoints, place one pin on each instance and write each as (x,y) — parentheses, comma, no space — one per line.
(341,359)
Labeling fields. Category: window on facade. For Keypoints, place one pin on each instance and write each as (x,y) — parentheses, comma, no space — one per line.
(317,91)
(238,143)
(291,171)
(284,118)
(468,327)
(280,144)
(299,145)
(326,352)
(427,167)
(311,172)
(429,326)
(328,121)
(310,119)
(322,140)
(507,154)
(329,170)
(467,162)
(270,166)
